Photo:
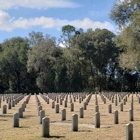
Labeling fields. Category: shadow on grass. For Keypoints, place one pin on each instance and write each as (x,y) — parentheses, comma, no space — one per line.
(74,111)
(103,115)
(3,120)
(6,115)
(58,137)
(23,127)
(107,127)
(10,113)
(68,121)
(84,131)
(53,121)
(124,111)
(28,116)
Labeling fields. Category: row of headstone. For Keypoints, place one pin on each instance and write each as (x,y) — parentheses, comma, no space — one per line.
(41,113)
(42,119)
(18,115)
(97,116)
(116,118)
(65,102)
(59,98)
(46,126)
(23,106)
(97,109)
(11,104)
(131,116)
(12,99)
(44,98)
(63,111)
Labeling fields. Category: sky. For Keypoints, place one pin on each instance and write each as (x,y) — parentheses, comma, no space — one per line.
(19,18)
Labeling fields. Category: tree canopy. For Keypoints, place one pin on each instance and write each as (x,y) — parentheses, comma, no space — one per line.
(95,60)
(126,15)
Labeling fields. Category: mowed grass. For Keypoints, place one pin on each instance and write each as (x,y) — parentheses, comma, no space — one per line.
(30,129)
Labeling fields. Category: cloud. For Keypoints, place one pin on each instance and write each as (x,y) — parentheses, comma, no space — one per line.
(37,4)
(5,21)
(88,23)
(10,23)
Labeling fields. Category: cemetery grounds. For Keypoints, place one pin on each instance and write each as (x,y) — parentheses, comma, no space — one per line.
(30,129)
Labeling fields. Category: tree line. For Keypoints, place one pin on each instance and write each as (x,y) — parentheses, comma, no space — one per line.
(91,60)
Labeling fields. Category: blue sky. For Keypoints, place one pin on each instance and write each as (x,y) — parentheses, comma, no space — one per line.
(19,18)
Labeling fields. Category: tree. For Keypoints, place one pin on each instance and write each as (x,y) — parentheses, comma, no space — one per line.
(61,79)
(98,49)
(35,38)
(126,16)
(124,12)
(67,32)
(13,61)
(42,59)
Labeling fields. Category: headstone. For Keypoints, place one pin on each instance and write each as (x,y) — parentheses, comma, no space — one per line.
(70,100)
(53,104)
(124,101)
(131,105)
(129,131)
(61,101)
(57,108)
(121,107)
(39,108)
(6,100)
(112,99)
(119,99)
(138,99)
(97,120)
(4,109)
(131,116)
(81,112)
(23,107)
(20,112)
(38,104)
(72,107)
(109,108)
(86,102)
(63,114)
(9,105)
(16,101)
(15,120)
(13,103)
(74,122)
(42,115)
(65,103)
(57,100)
(126,98)
(45,127)
(104,100)
(96,102)
(96,108)
(24,103)
(79,100)
(115,102)
(116,119)
(85,105)
(48,101)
